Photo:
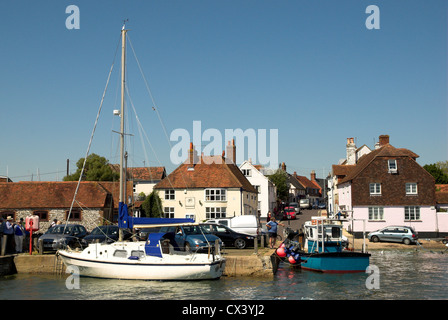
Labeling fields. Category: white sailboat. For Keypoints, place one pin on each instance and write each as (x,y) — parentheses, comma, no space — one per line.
(154,259)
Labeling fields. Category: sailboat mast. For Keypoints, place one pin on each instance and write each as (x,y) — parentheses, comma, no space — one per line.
(122,197)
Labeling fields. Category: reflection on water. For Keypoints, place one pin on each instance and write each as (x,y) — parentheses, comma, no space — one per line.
(403,275)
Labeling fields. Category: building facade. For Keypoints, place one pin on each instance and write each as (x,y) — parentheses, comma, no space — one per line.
(207,187)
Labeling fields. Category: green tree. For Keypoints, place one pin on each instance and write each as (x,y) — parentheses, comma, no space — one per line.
(97,169)
(437,173)
(152,206)
(280,179)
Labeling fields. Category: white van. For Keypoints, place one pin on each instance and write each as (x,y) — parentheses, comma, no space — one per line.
(247,224)
(305,204)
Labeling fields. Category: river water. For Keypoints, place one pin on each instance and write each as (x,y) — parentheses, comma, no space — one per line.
(396,275)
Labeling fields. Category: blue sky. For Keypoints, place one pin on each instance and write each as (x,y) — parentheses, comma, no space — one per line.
(310,69)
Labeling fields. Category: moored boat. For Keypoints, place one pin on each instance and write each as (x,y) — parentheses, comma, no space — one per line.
(154,259)
(323,249)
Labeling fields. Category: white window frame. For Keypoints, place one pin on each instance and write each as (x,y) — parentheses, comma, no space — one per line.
(411,188)
(375,189)
(215,212)
(412,213)
(376,213)
(215,195)
(247,172)
(168,212)
(392,166)
(170,194)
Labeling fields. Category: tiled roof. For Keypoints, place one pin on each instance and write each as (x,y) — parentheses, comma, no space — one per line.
(342,170)
(210,172)
(37,195)
(143,173)
(442,193)
(385,151)
(306,183)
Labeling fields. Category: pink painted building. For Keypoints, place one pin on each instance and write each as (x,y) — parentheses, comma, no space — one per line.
(388,187)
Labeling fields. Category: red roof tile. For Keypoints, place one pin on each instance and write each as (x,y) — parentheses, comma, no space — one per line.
(35,195)
(211,172)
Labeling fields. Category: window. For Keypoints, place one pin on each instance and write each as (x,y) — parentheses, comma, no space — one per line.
(375,189)
(215,195)
(376,213)
(411,213)
(190,216)
(75,215)
(411,188)
(168,212)
(215,213)
(43,215)
(120,253)
(169,195)
(392,166)
(6,214)
(246,172)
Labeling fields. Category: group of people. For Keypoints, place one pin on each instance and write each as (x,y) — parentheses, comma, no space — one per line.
(12,235)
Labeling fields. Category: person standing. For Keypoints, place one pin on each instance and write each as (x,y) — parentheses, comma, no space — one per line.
(19,233)
(272,230)
(9,232)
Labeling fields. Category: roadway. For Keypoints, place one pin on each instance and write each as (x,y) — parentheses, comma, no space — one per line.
(305,215)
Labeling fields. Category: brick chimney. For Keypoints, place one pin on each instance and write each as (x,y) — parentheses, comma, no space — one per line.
(351,151)
(283,166)
(384,139)
(231,151)
(313,175)
(192,157)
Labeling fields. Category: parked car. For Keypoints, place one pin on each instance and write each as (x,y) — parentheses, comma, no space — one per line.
(296,207)
(189,238)
(404,234)
(289,213)
(230,237)
(107,234)
(322,205)
(59,236)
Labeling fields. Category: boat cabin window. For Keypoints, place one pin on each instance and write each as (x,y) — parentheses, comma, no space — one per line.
(137,253)
(335,232)
(310,232)
(120,253)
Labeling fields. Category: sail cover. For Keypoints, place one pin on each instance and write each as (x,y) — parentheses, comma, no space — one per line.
(124,220)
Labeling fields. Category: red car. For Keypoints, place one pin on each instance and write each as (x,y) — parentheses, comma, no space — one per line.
(289,213)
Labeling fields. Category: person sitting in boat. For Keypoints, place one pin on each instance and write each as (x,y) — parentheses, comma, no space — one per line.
(272,230)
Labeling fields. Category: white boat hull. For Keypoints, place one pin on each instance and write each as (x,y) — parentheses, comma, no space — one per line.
(169,267)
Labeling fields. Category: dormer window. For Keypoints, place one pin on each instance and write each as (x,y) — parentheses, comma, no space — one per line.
(392,166)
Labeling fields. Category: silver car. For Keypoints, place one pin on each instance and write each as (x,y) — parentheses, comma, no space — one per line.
(402,234)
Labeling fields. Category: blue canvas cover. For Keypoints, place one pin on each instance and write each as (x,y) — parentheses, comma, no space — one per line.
(160,221)
(152,246)
(124,220)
